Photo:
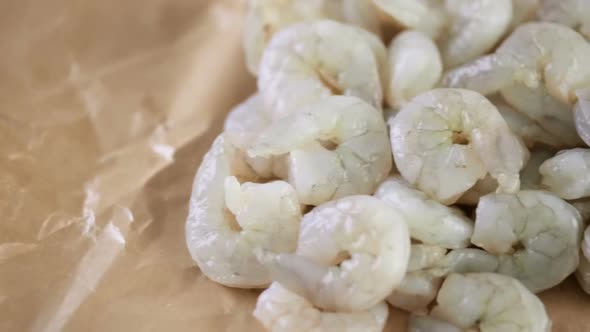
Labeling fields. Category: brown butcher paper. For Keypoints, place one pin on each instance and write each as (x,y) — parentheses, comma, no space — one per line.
(106,109)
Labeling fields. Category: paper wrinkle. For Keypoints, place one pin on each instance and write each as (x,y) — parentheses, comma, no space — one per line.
(106,110)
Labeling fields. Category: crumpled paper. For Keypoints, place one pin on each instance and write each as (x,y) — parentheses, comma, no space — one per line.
(106,109)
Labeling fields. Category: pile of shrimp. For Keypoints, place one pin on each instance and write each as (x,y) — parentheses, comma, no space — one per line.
(430,155)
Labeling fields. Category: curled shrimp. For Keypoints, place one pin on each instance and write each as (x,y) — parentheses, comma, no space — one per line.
(582,115)
(427,267)
(415,67)
(445,140)
(337,146)
(567,174)
(307,62)
(350,255)
(241,128)
(280,310)
(573,13)
(476,26)
(227,220)
(428,221)
(546,227)
(533,54)
(485,302)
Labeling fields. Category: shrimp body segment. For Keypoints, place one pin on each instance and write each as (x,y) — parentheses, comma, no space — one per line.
(489,302)
(336,147)
(227,220)
(280,310)
(546,227)
(351,254)
(445,140)
(307,62)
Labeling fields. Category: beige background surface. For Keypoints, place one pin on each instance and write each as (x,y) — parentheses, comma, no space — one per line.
(106,108)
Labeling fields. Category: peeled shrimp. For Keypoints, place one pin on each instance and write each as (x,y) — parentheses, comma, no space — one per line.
(351,254)
(428,221)
(534,53)
(427,16)
(241,128)
(227,221)
(476,26)
(416,67)
(573,13)
(280,310)
(337,147)
(582,115)
(568,173)
(547,228)
(427,267)
(446,139)
(486,302)
(307,62)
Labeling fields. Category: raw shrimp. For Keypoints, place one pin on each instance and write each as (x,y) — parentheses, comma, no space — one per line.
(266,17)
(307,62)
(427,267)
(337,147)
(568,173)
(415,67)
(582,115)
(475,27)
(428,221)
(280,310)
(530,178)
(530,132)
(444,140)
(227,221)
(351,254)
(427,16)
(546,227)
(486,302)
(573,13)
(241,128)
(532,54)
